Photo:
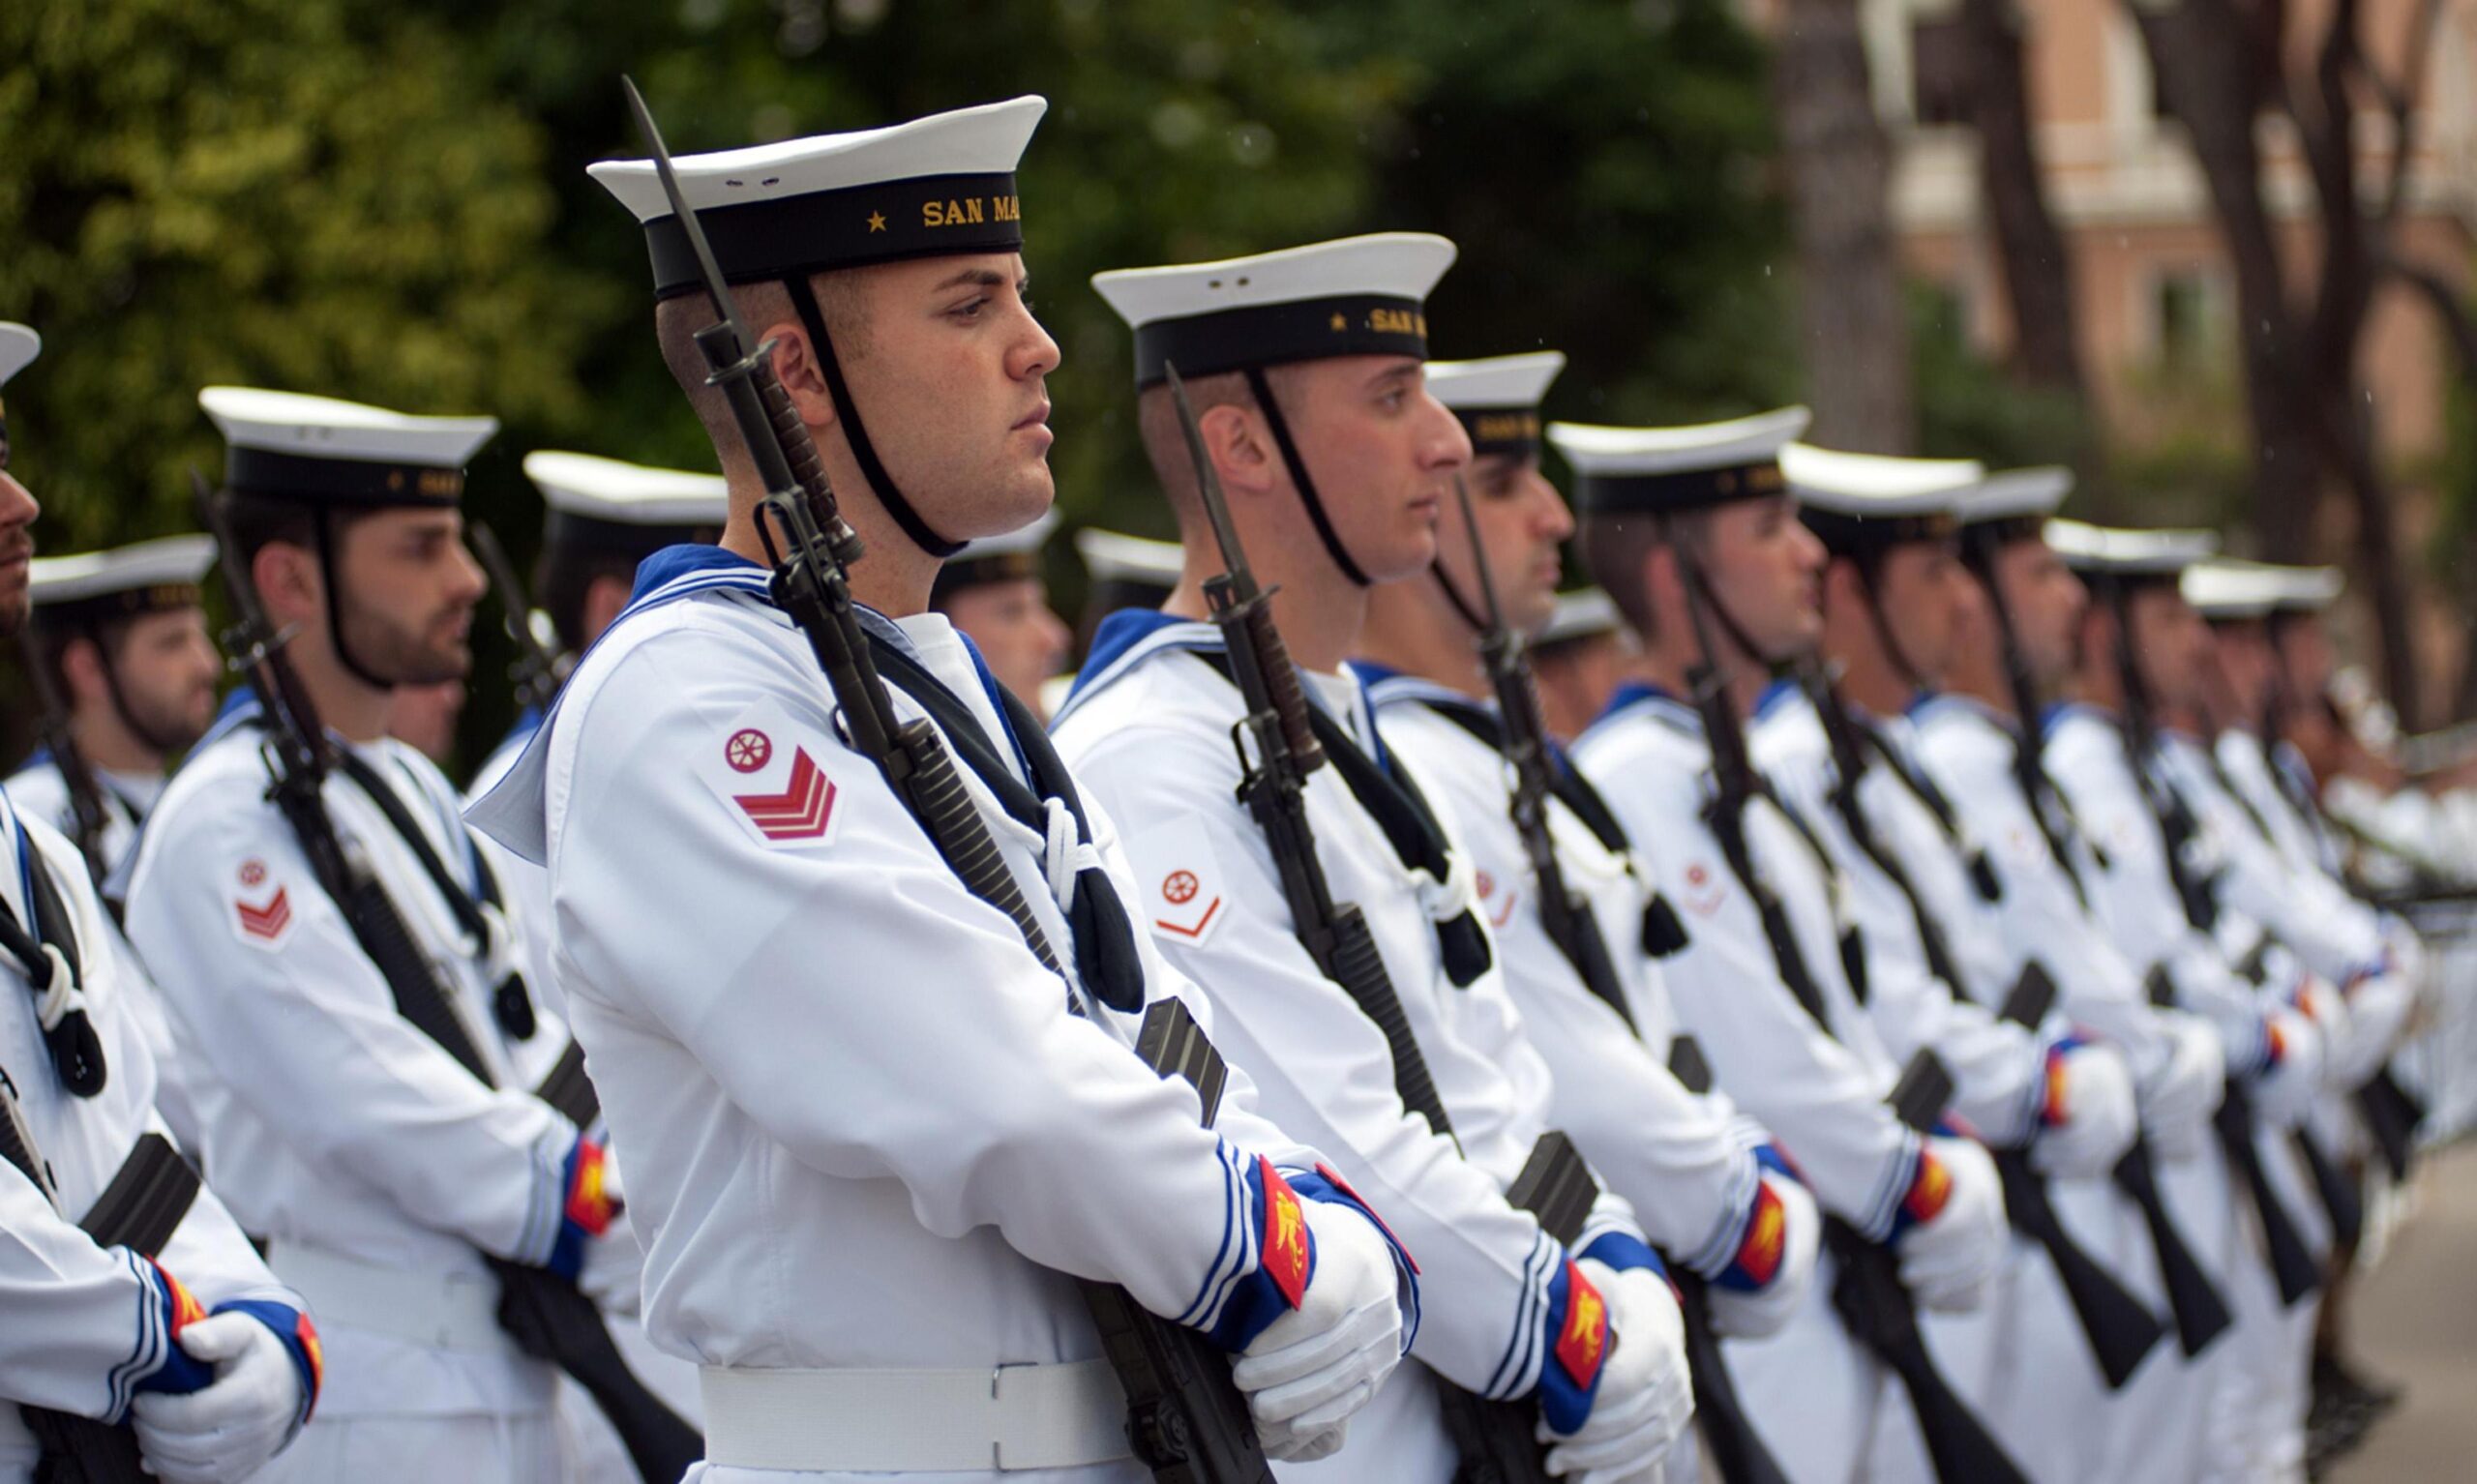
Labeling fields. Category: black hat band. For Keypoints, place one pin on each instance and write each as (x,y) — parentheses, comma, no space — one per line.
(98,609)
(926,216)
(340,481)
(1846,535)
(1510,433)
(571,532)
(1277,333)
(1682,490)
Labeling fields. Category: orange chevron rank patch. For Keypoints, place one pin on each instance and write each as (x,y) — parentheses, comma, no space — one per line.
(1583,1344)
(1285,1241)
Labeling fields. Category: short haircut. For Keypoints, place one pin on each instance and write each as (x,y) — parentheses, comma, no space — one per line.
(55,639)
(1614,544)
(1165,442)
(562,579)
(679,318)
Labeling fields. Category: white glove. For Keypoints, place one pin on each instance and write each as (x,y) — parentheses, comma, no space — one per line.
(2283,1094)
(2177,1103)
(1950,1261)
(228,1428)
(1646,1396)
(1766,1310)
(1315,1365)
(2100,1116)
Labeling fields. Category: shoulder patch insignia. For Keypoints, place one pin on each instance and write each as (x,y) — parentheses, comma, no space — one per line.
(1704,889)
(260,918)
(765,768)
(1497,903)
(1183,896)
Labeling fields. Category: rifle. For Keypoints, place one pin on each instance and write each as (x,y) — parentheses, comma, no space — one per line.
(1186,1420)
(87,816)
(2119,1329)
(1572,925)
(1277,749)
(546,1314)
(1874,1305)
(534,672)
(2029,766)
(1878,1308)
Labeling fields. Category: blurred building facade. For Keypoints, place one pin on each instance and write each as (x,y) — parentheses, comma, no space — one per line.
(2153,289)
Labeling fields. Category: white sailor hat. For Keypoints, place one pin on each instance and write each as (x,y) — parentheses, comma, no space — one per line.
(1114,556)
(1011,557)
(2225,590)
(2016,502)
(1868,501)
(322,451)
(91,587)
(2309,589)
(606,504)
(2115,553)
(1498,399)
(1584,613)
(1349,297)
(1667,470)
(932,187)
(20,345)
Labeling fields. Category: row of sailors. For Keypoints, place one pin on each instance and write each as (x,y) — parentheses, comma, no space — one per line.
(869,1135)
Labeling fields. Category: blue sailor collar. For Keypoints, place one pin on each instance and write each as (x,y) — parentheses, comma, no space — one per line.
(1387,687)
(2059,712)
(1129,636)
(1779,693)
(1656,702)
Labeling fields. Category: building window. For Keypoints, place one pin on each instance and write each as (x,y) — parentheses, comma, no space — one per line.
(2189,313)
(1939,72)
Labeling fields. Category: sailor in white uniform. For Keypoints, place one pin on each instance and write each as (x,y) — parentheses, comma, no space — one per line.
(1838,750)
(2013,641)
(377,1162)
(1701,515)
(993,591)
(124,634)
(1578,659)
(601,517)
(2160,903)
(127,1293)
(872,1141)
(1304,366)
(1710,1186)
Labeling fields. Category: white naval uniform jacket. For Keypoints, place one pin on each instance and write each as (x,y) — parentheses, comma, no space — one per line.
(2131,892)
(41,790)
(863,1126)
(1150,726)
(1968,750)
(330,1121)
(1999,1069)
(81,1324)
(1684,1160)
(1819,1091)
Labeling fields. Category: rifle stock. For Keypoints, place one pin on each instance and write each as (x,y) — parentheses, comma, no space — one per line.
(534,674)
(87,817)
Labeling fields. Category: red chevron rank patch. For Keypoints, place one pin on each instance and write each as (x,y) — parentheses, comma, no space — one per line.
(1285,1245)
(765,770)
(1583,1344)
(263,925)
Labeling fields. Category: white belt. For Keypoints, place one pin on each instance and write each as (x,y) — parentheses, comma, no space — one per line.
(1002,1417)
(440,1311)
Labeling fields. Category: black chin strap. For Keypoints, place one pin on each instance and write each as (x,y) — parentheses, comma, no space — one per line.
(1298,467)
(335,605)
(1909,673)
(1454,595)
(863,452)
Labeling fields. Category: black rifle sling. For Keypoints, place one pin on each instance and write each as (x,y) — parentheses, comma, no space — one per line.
(1106,958)
(1394,802)
(1937,803)
(1726,820)
(1932,943)
(511,1004)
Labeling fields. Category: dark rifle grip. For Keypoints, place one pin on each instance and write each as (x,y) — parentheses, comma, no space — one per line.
(2120,1331)
(2291,1262)
(551,1319)
(1282,683)
(2194,1301)
(1720,1414)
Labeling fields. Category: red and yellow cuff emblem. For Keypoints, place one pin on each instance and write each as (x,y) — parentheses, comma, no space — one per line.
(1766,1238)
(185,1308)
(306,1334)
(1583,1344)
(2058,1109)
(591,1205)
(1929,1190)
(1285,1238)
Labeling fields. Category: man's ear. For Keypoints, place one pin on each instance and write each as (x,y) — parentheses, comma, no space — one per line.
(795,366)
(82,669)
(1241,448)
(288,582)
(1841,589)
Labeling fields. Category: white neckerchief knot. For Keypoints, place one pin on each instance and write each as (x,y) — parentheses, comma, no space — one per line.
(1065,854)
(60,996)
(1447,899)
